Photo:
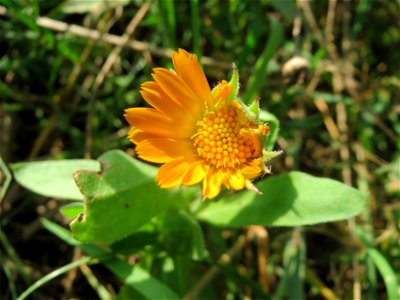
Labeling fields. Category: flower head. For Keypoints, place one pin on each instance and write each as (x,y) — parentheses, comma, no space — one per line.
(197,134)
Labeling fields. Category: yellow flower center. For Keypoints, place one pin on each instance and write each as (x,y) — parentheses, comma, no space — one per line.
(225,139)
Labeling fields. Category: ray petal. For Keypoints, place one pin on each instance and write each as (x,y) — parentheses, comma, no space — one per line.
(177,89)
(156,97)
(155,123)
(212,184)
(171,174)
(136,135)
(188,68)
(195,173)
(236,180)
(161,150)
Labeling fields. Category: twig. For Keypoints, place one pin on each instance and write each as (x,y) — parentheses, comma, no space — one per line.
(372,157)
(68,280)
(311,21)
(349,84)
(344,150)
(317,283)
(330,19)
(297,28)
(111,59)
(101,291)
(328,120)
(40,140)
(261,235)
(213,271)
(385,129)
(44,134)
(317,32)
(113,39)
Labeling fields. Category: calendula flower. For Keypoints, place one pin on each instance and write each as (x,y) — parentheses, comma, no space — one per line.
(198,134)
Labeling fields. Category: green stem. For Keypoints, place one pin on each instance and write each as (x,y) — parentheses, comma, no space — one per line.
(7,178)
(196,27)
(13,255)
(52,275)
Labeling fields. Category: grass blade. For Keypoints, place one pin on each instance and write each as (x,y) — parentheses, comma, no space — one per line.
(169,8)
(136,277)
(10,279)
(7,178)
(194,4)
(13,256)
(294,257)
(383,266)
(259,75)
(388,274)
(42,281)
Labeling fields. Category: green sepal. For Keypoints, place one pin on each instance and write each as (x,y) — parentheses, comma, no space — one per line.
(254,109)
(234,83)
(268,155)
(214,90)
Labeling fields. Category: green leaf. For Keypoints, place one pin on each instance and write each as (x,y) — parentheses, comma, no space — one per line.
(292,199)
(119,199)
(182,234)
(140,280)
(287,8)
(53,178)
(128,293)
(135,242)
(72,210)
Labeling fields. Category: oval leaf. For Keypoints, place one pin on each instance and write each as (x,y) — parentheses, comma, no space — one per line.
(53,178)
(119,199)
(292,199)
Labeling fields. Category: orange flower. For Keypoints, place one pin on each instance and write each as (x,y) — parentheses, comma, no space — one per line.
(197,134)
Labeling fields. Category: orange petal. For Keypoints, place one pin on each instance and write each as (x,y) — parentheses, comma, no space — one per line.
(136,135)
(155,123)
(156,97)
(221,92)
(188,68)
(253,168)
(195,173)
(177,89)
(171,174)
(250,170)
(236,180)
(161,150)
(212,184)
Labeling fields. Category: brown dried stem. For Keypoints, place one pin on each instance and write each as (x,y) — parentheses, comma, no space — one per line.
(261,235)
(110,61)
(224,259)
(112,39)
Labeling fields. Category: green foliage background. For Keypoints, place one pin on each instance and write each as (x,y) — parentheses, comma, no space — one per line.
(338,118)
